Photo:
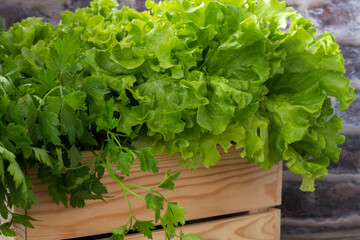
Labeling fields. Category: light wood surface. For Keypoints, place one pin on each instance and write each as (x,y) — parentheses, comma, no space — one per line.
(279,168)
(261,226)
(233,185)
(20,229)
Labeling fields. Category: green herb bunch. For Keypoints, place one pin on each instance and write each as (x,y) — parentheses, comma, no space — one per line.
(184,77)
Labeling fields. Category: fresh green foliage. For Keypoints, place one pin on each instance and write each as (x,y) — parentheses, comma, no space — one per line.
(185,77)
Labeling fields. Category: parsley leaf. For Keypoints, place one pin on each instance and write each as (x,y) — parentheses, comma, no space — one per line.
(14,169)
(106,119)
(23,220)
(71,125)
(147,160)
(43,156)
(154,202)
(57,191)
(168,180)
(119,157)
(28,108)
(65,54)
(120,230)
(173,215)
(97,187)
(144,227)
(190,236)
(75,156)
(2,172)
(116,237)
(76,100)
(48,122)
(6,230)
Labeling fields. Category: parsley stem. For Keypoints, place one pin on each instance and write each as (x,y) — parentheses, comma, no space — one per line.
(48,93)
(133,193)
(139,187)
(84,165)
(172,234)
(122,185)
(97,156)
(115,138)
(127,201)
(160,195)
(61,89)
(87,164)
(148,189)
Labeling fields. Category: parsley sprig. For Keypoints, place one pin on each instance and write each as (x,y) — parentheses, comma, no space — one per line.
(47,120)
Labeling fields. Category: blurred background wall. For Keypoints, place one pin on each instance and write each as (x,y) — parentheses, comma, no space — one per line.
(333,210)
(335,205)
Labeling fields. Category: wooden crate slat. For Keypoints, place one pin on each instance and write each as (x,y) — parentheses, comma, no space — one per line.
(233,185)
(20,230)
(261,226)
(279,168)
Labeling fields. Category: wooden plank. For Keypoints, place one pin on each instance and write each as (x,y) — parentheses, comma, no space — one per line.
(279,182)
(19,229)
(261,226)
(233,185)
(259,210)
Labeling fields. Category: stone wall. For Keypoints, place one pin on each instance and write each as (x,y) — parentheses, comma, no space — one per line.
(335,206)
(15,10)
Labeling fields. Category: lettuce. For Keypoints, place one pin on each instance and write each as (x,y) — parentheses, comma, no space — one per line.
(196,69)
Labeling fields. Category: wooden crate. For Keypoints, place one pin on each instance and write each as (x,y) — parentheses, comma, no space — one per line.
(234,185)
(260,226)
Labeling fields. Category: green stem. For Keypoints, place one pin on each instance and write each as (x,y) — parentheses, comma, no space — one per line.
(161,196)
(93,152)
(133,193)
(148,189)
(42,101)
(172,234)
(97,162)
(139,187)
(128,203)
(85,165)
(119,134)
(123,186)
(60,85)
(115,139)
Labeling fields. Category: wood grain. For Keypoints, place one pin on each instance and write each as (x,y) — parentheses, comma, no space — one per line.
(261,226)
(279,182)
(20,229)
(233,185)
